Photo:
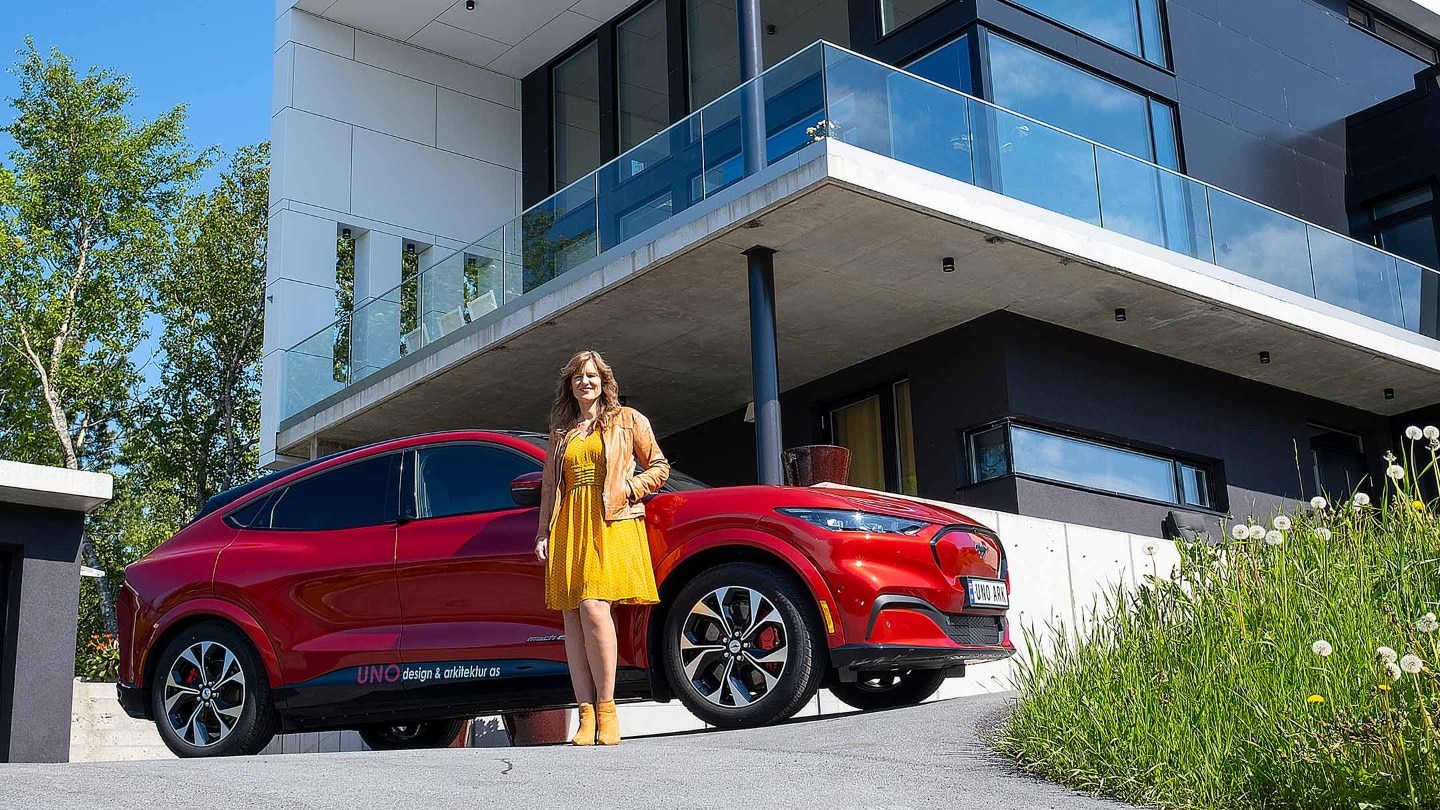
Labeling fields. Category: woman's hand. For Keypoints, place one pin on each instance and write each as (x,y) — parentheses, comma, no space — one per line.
(542,548)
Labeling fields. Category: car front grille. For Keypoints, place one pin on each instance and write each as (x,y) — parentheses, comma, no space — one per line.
(975,631)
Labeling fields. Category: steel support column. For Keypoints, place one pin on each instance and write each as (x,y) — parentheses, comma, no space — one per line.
(765,366)
(752,98)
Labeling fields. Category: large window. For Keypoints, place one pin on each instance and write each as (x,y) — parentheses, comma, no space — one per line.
(1042,87)
(1338,459)
(1011,449)
(1408,41)
(1133,27)
(713,38)
(897,13)
(1405,224)
(359,494)
(644,79)
(577,115)
(458,479)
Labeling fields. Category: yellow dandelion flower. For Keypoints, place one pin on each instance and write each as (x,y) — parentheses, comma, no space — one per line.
(1315,699)
(1419,505)
(1383,687)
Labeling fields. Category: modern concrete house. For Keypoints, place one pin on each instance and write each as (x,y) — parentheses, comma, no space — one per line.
(1099,262)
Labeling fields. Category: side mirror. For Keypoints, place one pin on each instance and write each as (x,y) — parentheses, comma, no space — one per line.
(525,489)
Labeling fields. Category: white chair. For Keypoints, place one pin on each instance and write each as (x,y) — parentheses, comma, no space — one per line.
(480,306)
(452,320)
(411,340)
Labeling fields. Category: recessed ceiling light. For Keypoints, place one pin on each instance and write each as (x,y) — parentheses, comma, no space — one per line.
(1264,358)
(1120,315)
(469,5)
(948,264)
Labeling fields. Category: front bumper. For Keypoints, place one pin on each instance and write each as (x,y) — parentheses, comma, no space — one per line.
(856,657)
(906,632)
(134,700)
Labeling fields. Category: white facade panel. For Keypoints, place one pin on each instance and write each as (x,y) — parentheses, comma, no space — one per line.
(301,310)
(306,29)
(393,19)
(303,247)
(433,68)
(457,42)
(283,78)
(356,93)
(478,129)
(315,167)
(429,189)
(541,46)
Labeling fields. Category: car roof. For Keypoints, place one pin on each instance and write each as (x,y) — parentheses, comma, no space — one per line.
(223,499)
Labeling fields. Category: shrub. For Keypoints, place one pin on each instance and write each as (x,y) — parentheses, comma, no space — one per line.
(1291,665)
(99,660)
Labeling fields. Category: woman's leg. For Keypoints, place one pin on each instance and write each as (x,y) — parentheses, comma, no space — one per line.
(599,628)
(575,657)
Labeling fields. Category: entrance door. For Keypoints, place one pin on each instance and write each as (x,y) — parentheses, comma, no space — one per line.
(471,591)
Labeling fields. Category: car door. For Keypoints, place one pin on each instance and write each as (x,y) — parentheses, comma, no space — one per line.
(471,591)
(317,570)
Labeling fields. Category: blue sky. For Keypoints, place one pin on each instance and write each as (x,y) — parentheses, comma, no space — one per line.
(213,56)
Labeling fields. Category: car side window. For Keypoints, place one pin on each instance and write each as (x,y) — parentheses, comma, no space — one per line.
(458,479)
(348,497)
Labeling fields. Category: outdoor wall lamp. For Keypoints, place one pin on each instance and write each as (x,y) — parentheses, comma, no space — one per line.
(948,264)
(344,233)
(410,247)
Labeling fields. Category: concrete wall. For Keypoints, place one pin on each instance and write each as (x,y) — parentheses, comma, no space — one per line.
(1002,365)
(377,136)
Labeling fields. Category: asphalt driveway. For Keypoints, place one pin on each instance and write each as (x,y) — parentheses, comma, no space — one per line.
(928,756)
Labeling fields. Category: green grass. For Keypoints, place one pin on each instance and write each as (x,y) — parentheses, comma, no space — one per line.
(1203,690)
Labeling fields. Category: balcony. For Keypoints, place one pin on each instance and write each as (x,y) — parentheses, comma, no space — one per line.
(827,95)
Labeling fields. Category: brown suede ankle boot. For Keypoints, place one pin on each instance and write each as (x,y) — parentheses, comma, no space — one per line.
(607,724)
(586,734)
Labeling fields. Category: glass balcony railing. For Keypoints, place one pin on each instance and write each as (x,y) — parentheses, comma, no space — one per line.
(828,92)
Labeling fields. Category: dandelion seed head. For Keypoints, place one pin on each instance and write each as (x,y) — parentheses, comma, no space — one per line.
(1317,503)
(1411,664)
(1431,432)
(1361,499)
(1427,623)
(1414,433)
(1282,523)
(1396,472)
(1274,537)
(1392,670)
(1240,531)
(1386,655)
(1322,648)
(1150,548)
(1323,533)
(1257,532)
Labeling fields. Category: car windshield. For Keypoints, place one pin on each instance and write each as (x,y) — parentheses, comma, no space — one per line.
(678,481)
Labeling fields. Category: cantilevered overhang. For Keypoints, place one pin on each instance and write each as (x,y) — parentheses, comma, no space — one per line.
(860,239)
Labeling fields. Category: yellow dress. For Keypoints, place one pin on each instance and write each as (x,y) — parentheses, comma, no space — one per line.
(590,558)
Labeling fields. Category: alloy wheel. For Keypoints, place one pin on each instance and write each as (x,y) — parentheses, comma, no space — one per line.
(204,693)
(734,646)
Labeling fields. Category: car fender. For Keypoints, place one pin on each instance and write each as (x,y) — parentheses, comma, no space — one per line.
(227,611)
(800,564)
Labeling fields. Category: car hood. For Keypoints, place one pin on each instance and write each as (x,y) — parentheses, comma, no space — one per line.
(870,500)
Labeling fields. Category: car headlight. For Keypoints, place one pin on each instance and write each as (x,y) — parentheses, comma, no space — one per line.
(848,520)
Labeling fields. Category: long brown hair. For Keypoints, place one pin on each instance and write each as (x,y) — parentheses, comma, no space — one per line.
(565,410)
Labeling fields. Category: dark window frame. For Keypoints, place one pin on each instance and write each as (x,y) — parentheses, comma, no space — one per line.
(1373,16)
(409,508)
(1367,483)
(889,424)
(1214,469)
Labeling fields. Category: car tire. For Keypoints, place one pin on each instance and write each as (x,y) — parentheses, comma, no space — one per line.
(737,677)
(210,696)
(889,690)
(403,736)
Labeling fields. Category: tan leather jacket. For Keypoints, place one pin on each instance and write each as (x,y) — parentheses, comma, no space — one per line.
(628,440)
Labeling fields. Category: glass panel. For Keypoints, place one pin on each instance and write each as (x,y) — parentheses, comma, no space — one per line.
(1131,27)
(1153,205)
(1029,82)
(1355,276)
(720,127)
(1109,469)
(895,13)
(442,299)
(558,234)
(1152,33)
(346,498)
(858,428)
(460,479)
(1339,462)
(1162,129)
(1032,162)
(1419,297)
(990,454)
(484,276)
(577,115)
(650,183)
(311,370)
(905,438)
(1260,243)
(1404,41)
(950,66)
(643,74)
(376,336)
(1195,486)
(794,102)
(714,50)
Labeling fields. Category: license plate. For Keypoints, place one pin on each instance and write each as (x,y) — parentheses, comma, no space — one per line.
(986,593)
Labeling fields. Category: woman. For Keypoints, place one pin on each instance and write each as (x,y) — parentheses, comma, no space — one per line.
(592,528)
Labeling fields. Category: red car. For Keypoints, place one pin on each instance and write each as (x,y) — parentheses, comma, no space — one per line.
(393,589)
